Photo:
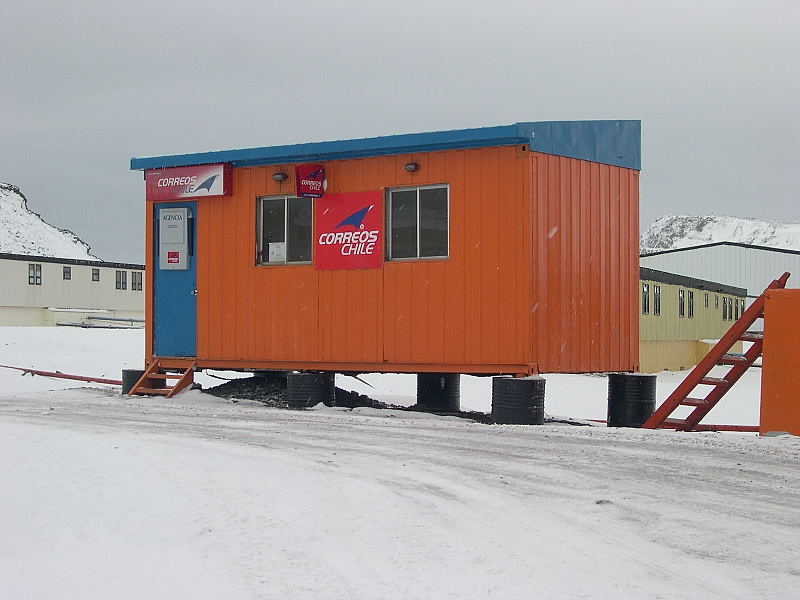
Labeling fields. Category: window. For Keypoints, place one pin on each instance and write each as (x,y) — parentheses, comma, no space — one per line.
(645,298)
(34,274)
(122,280)
(691,304)
(136,281)
(67,273)
(742,302)
(656,300)
(724,308)
(284,230)
(95,274)
(706,300)
(736,306)
(681,304)
(716,301)
(418,223)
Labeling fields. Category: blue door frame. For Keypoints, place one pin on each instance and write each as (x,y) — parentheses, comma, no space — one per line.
(175,294)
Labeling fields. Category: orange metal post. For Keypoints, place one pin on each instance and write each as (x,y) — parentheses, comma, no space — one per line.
(780,393)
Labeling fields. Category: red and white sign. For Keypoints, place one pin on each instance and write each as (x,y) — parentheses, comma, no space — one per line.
(178,183)
(310,181)
(349,231)
(173,257)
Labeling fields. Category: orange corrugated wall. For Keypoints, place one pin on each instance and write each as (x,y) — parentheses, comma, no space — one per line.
(586,265)
(542,274)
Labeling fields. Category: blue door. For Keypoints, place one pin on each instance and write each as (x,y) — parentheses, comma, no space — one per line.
(174,280)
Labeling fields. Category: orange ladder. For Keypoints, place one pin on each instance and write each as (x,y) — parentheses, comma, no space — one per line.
(155,377)
(699,376)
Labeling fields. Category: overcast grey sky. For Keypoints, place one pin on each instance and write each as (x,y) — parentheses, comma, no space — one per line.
(86,85)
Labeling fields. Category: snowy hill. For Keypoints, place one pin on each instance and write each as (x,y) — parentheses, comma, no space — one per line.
(681,231)
(25,232)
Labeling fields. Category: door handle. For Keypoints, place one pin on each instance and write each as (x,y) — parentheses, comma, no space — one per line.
(194,292)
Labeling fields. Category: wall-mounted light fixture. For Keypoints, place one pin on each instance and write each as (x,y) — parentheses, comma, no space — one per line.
(411,167)
(280,176)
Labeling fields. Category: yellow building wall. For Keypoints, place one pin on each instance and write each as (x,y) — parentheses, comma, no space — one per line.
(668,341)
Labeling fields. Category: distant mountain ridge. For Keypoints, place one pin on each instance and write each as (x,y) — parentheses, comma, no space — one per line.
(681,231)
(22,231)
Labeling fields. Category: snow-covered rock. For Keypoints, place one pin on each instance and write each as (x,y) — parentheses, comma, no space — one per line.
(25,232)
(681,231)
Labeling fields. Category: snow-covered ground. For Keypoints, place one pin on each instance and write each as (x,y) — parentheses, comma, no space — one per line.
(105,496)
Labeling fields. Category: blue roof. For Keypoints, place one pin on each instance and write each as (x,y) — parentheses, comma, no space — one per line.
(609,142)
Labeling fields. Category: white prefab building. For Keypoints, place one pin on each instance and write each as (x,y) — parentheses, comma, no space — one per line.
(42,290)
(739,265)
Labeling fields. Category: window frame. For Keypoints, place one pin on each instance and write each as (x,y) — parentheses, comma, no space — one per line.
(34,274)
(66,273)
(96,272)
(136,281)
(681,303)
(690,304)
(388,203)
(645,298)
(260,259)
(656,300)
(121,281)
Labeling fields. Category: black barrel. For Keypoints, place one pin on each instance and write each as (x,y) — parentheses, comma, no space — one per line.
(309,389)
(439,391)
(129,379)
(518,400)
(631,399)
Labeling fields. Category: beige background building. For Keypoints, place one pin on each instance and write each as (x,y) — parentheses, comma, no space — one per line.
(39,290)
(680,318)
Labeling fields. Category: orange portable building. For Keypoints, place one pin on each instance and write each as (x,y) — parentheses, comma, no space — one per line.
(498,250)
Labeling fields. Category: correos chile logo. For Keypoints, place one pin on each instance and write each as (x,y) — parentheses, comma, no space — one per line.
(187,183)
(357,241)
(313,181)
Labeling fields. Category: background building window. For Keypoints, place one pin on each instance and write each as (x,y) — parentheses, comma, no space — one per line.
(67,272)
(645,299)
(95,274)
(656,300)
(691,304)
(418,223)
(716,301)
(284,230)
(681,304)
(706,300)
(136,281)
(724,308)
(122,280)
(736,307)
(34,274)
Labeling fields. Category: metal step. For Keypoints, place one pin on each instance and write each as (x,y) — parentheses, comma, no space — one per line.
(732,359)
(714,381)
(158,391)
(751,336)
(694,402)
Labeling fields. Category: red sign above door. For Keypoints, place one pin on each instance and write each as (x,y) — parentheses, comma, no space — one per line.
(349,231)
(310,181)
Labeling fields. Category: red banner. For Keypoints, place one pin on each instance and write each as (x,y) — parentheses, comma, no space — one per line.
(183,183)
(349,231)
(309,181)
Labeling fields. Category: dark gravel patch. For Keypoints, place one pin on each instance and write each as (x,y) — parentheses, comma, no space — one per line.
(269,388)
